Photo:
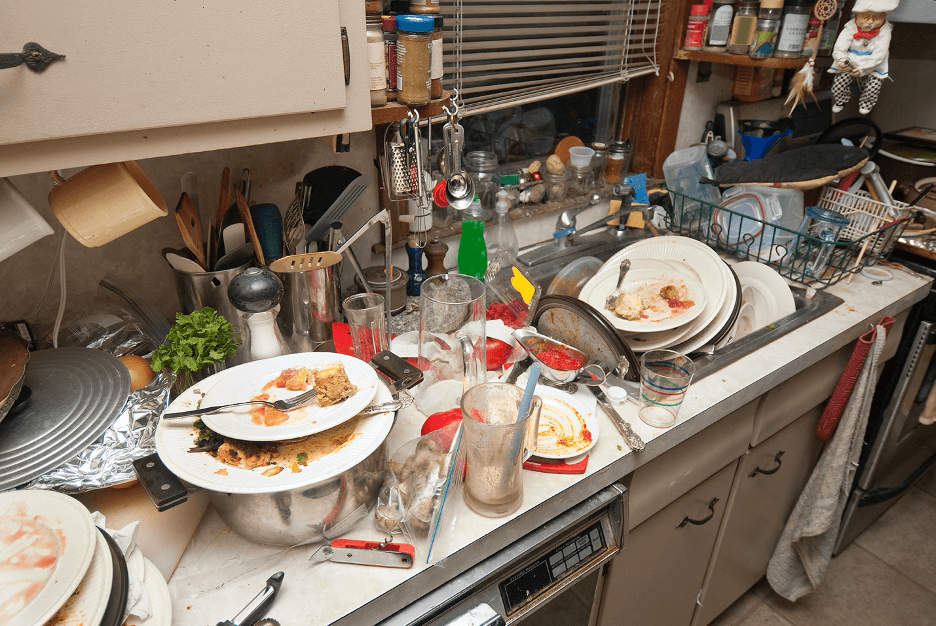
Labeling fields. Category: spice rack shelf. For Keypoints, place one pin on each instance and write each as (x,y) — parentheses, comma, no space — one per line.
(746,61)
(394,111)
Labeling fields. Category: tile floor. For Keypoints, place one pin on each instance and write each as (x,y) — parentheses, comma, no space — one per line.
(887,577)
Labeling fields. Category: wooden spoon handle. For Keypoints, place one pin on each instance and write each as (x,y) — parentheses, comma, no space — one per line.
(190,227)
(249,225)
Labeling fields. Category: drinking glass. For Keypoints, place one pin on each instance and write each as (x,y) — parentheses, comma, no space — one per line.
(497,441)
(664,379)
(365,313)
(452,353)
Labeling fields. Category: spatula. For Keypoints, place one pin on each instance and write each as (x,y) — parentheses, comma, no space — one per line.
(338,208)
(190,227)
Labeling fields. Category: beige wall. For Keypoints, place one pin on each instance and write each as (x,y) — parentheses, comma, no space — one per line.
(910,100)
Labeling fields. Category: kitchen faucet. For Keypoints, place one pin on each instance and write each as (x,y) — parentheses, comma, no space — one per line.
(565,225)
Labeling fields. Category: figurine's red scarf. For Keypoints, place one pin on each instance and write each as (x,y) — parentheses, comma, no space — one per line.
(866,34)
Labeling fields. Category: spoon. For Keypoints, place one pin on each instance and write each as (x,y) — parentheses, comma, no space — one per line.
(190,226)
(184,265)
(609,301)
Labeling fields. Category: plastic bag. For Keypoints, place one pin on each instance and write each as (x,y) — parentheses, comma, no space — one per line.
(116,330)
(421,492)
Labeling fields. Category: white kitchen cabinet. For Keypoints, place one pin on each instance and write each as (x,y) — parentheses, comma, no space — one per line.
(767,484)
(152,78)
(656,580)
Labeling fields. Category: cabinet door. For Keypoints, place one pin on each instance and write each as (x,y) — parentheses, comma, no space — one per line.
(768,482)
(656,580)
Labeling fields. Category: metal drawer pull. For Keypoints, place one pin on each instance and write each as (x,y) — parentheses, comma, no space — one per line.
(33,55)
(346,56)
(699,522)
(769,472)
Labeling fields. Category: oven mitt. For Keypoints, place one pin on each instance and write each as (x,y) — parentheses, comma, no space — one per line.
(825,428)
(805,168)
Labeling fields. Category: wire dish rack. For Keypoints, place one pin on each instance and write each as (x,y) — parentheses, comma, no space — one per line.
(814,259)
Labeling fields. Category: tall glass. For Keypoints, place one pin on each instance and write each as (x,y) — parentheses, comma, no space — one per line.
(365,313)
(452,353)
(497,441)
(664,379)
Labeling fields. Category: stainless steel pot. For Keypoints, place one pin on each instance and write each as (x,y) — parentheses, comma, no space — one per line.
(287,518)
(310,304)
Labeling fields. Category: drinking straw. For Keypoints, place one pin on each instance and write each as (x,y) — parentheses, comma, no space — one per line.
(528,392)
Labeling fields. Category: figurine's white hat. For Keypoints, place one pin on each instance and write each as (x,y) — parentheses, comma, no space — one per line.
(875,6)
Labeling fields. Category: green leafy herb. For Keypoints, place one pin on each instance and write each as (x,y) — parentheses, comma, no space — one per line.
(198,423)
(619,447)
(301,457)
(203,436)
(770,326)
(198,339)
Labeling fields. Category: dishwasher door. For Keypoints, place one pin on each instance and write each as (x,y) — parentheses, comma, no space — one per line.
(527,575)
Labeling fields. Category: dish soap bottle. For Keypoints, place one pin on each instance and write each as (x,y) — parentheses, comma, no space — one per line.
(501,238)
(472,256)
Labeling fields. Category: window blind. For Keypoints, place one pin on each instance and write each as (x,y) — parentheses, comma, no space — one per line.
(501,53)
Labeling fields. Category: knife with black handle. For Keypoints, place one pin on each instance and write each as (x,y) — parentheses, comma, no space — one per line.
(630,437)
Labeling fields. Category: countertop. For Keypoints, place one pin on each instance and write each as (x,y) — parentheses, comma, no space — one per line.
(219,572)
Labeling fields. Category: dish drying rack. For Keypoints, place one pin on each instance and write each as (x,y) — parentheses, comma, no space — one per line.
(869,236)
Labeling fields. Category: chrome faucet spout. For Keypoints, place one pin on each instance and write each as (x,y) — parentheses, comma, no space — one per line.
(565,225)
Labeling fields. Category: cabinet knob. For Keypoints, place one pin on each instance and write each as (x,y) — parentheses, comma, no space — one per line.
(777,460)
(699,522)
(33,55)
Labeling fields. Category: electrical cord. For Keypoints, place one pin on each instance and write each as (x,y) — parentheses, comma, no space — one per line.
(61,239)
(61,309)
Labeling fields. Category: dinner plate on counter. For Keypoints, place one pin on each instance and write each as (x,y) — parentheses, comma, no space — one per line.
(48,566)
(647,284)
(248,381)
(344,451)
(87,603)
(159,597)
(723,322)
(567,428)
(768,292)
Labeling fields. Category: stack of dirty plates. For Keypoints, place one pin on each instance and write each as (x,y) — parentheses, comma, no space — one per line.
(716,307)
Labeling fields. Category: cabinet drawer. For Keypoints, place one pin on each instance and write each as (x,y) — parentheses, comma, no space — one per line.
(675,472)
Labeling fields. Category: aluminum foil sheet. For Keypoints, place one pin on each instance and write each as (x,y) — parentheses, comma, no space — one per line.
(109,460)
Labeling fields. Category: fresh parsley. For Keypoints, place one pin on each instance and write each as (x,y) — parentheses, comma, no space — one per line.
(301,457)
(619,447)
(770,326)
(198,339)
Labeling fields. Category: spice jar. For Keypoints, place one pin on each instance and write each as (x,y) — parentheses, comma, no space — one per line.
(413,55)
(599,159)
(793,30)
(435,62)
(765,34)
(424,6)
(619,156)
(696,27)
(557,185)
(376,60)
(373,7)
(389,37)
(742,29)
(719,26)
(580,179)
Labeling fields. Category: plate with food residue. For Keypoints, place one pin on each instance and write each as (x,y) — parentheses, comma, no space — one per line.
(651,300)
(344,385)
(567,428)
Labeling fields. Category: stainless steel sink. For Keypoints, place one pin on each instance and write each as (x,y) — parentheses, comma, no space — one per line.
(546,260)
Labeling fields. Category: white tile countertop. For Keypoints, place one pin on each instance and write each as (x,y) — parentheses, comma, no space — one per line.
(220,572)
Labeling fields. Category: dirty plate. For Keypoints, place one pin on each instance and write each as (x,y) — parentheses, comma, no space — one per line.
(248,381)
(566,427)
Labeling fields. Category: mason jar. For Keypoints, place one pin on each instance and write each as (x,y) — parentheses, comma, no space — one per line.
(482,168)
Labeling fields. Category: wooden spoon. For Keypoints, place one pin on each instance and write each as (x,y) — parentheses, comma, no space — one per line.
(190,227)
(249,225)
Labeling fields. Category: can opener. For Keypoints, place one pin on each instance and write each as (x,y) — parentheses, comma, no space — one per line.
(361,552)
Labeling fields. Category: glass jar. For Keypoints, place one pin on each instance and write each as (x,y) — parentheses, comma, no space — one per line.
(557,185)
(719,26)
(829,34)
(482,168)
(373,7)
(619,156)
(377,61)
(742,28)
(389,38)
(793,30)
(696,27)
(413,57)
(435,62)
(765,35)
(599,159)
(580,179)
(424,6)
(811,38)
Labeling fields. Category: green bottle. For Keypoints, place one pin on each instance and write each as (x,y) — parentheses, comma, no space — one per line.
(472,255)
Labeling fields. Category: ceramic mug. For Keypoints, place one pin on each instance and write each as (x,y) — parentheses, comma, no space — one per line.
(102,202)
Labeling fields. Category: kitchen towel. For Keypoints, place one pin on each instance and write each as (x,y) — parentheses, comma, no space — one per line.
(802,555)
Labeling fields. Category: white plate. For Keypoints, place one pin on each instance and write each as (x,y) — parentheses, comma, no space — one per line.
(716,325)
(175,437)
(247,381)
(772,298)
(159,597)
(649,281)
(88,602)
(563,411)
(65,518)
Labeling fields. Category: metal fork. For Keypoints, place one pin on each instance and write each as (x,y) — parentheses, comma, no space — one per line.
(609,301)
(280,405)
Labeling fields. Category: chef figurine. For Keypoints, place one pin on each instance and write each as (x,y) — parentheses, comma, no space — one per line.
(860,53)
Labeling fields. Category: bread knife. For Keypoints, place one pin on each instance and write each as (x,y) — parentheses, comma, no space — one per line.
(630,437)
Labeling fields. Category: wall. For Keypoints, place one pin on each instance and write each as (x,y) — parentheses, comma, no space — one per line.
(908,100)
(700,100)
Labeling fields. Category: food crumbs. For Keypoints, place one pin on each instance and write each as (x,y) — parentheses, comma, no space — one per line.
(222,472)
(619,447)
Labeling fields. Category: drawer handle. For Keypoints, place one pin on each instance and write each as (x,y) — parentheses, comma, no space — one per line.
(699,522)
(346,55)
(33,55)
(758,470)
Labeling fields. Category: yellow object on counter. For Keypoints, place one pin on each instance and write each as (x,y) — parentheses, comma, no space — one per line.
(635,220)
(613,207)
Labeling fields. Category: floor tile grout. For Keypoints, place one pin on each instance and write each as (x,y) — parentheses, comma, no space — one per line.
(891,567)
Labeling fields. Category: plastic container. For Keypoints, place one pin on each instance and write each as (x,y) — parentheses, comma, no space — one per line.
(20,224)
(781,207)
(682,170)
(572,278)
(501,237)
(581,156)
(825,226)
